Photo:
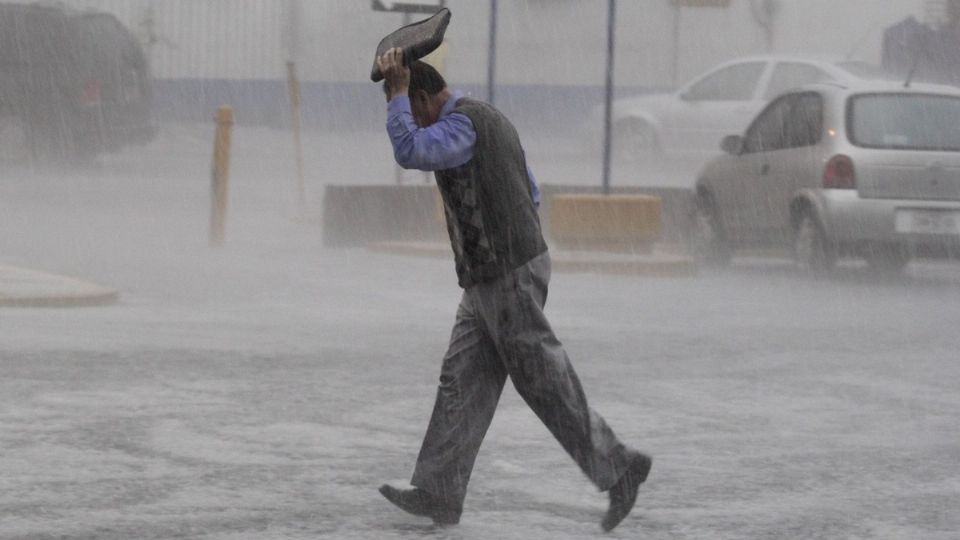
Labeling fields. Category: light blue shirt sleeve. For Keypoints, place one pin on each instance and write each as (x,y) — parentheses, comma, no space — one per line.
(445,144)
(534,188)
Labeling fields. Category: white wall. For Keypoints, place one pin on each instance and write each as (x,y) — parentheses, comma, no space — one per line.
(540,41)
(829,28)
(217,39)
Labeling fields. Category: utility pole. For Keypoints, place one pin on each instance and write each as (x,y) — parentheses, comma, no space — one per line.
(492,52)
(675,68)
(608,101)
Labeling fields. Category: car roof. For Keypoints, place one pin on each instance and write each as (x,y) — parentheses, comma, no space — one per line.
(787,57)
(36,7)
(822,60)
(843,69)
(860,86)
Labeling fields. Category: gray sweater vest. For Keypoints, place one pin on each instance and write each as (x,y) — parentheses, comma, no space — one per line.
(491,218)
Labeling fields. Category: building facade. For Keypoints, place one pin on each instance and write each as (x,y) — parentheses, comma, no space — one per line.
(550,53)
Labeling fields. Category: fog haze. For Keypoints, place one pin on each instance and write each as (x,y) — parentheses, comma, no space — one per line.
(265,388)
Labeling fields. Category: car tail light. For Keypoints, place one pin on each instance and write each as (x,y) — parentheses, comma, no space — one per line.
(839,173)
(91,93)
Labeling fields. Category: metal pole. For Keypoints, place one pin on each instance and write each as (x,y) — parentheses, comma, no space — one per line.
(608,103)
(676,45)
(492,53)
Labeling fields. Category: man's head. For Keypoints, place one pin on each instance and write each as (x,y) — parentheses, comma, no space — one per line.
(428,92)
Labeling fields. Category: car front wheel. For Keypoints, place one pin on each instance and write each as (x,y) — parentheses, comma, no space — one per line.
(811,250)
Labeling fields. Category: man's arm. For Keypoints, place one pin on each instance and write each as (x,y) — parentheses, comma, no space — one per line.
(393,70)
(445,144)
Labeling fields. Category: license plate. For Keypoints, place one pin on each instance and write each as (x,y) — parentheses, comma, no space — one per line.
(928,222)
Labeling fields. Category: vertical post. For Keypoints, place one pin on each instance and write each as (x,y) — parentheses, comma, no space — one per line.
(492,53)
(608,101)
(675,68)
(294,23)
(398,170)
(293,85)
(221,173)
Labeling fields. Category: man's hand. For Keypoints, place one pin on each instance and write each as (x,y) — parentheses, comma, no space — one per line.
(393,70)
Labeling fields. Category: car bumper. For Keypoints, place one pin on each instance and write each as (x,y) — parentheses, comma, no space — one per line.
(850,220)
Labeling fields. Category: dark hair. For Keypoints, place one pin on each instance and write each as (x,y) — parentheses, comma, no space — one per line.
(424,77)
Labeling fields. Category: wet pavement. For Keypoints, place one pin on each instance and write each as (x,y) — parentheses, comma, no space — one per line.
(265,389)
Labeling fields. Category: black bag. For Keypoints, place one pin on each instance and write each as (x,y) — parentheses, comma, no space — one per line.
(417,40)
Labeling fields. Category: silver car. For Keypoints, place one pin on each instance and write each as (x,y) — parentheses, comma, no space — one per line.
(870,169)
(687,123)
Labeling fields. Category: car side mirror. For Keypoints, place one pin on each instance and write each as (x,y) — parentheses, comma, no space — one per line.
(732,144)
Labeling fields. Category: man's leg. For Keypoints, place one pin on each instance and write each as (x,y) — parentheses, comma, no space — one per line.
(512,311)
(471,381)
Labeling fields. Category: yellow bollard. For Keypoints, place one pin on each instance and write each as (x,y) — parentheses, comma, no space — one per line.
(293,85)
(221,173)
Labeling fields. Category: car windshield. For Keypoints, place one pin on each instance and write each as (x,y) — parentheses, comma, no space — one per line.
(905,121)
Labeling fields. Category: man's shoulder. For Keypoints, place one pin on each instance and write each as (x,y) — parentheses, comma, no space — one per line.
(474,107)
(471,102)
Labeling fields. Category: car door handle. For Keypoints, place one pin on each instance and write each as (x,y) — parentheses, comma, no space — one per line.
(764,169)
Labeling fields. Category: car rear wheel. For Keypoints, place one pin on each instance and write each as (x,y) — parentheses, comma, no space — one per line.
(887,258)
(710,247)
(14,140)
(634,140)
(811,250)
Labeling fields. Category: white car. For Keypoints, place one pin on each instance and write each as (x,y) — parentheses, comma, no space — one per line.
(687,123)
(870,169)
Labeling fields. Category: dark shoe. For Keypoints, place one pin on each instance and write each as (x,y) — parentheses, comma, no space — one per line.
(421,503)
(623,494)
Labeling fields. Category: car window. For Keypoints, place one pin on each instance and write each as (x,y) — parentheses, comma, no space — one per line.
(789,75)
(733,83)
(31,37)
(905,121)
(805,124)
(768,130)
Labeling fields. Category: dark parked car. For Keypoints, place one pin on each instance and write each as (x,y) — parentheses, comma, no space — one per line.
(72,84)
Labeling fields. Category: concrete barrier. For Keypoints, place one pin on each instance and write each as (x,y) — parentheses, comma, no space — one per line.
(618,223)
(357,215)
(676,207)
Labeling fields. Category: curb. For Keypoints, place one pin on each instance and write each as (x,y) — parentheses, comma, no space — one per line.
(654,264)
(20,287)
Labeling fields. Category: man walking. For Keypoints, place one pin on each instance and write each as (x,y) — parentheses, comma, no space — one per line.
(503,266)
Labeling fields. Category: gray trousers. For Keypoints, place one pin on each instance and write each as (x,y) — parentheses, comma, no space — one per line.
(501,331)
